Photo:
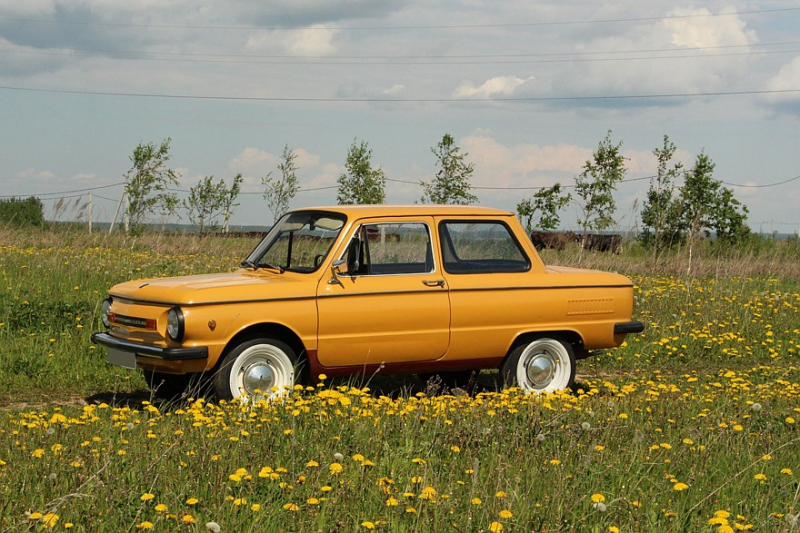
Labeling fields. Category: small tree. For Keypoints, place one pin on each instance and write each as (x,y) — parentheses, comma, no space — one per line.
(361,184)
(206,202)
(547,202)
(19,212)
(229,201)
(595,187)
(708,206)
(661,213)
(451,183)
(147,183)
(281,189)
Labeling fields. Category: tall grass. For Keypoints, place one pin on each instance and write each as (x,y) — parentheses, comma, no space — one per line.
(691,426)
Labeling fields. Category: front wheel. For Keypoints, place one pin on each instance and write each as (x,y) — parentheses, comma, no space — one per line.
(257,368)
(543,365)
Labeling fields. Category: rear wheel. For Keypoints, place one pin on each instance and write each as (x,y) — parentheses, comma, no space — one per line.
(543,365)
(257,368)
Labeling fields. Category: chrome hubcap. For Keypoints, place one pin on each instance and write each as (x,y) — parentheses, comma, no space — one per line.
(541,369)
(258,376)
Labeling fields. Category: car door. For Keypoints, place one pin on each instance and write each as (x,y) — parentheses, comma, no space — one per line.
(390,303)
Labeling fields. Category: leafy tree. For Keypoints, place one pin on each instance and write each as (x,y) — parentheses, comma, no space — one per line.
(547,202)
(661,214)
(18,212)
(228,202)
(595,187)
(451,183)
(710,207)
(281,189)
(208,200)
(147,183)
(361,184)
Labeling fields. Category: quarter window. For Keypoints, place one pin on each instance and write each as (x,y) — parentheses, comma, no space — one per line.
(480,247)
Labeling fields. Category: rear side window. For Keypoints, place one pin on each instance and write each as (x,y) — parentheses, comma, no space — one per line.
(480,247)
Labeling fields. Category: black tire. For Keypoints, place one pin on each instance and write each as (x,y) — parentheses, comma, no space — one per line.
(259,364)
(542,365)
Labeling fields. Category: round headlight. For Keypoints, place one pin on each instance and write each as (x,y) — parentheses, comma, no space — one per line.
(105,308)
(175,324)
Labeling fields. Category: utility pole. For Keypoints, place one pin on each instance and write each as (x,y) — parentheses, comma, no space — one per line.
(90,212)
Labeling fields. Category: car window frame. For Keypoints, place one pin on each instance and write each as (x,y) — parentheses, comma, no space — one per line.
(445,240)
(365,247)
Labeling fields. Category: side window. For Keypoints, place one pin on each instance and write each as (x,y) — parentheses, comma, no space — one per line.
(396,248)
(480,247)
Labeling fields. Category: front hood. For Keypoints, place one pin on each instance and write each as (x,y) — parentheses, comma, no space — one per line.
(242,285)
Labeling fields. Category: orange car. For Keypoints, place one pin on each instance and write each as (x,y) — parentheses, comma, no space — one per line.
(360,289)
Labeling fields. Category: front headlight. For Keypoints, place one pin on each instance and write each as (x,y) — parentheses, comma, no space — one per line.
(105,308)
(175,324)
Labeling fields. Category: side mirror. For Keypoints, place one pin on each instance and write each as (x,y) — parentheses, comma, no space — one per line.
(336,272)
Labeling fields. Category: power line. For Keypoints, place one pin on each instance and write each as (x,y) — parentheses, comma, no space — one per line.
(72,193)
(406,27)
(402,100)
(90,189)
(762,186)
(299,60)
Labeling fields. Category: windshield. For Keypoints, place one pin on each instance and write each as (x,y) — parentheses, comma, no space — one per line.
(299,242)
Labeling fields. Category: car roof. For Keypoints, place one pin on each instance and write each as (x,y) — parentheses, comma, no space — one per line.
(378,210)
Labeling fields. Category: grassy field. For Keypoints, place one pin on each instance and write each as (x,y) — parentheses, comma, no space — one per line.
(692,426)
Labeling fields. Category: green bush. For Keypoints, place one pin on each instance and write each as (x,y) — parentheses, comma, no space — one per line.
(28,212)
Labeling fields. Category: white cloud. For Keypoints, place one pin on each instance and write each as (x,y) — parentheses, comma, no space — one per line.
(32,174)
(253,162)
(697,28)
(497,86)
(83,177)
(316,40)
(787,78)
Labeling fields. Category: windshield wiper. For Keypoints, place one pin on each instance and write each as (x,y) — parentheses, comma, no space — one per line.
(279,268)
(249,264)
(255,266)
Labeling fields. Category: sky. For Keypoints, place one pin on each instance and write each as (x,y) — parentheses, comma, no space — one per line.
(527,90)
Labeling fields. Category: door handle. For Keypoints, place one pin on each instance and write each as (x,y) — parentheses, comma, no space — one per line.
(434,282)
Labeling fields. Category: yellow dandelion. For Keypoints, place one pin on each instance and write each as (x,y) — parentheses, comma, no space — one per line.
(366,524)
(49,519)
(336,468)
(187,519)
(598,498)
(495,527)
(192,501)
(312,464)
(680,486)
(291,507)
(505,513)
(392,501)
(476,501)
(160,508)
(146,497)
(144,525)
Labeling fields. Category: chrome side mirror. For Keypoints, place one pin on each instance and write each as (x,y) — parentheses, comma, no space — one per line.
(336,272)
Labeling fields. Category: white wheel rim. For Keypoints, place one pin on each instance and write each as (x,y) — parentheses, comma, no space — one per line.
(544,366)
(262,367)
